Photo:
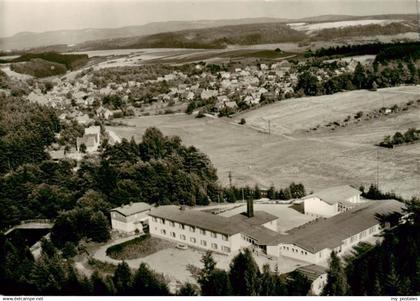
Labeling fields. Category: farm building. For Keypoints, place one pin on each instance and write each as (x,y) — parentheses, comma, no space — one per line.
(312,242)
(129,218)
(331,201)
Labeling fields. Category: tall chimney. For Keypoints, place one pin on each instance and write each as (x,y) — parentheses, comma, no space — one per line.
(250,208)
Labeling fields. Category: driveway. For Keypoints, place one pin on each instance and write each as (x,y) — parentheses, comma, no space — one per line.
(175,263)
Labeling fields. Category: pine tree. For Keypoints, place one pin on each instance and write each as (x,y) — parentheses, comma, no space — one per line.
(244,274)
(268,282)
(148,283)
(122,278)
(187,289)
(218,284)
(392,282)
(99,286)
(336,278)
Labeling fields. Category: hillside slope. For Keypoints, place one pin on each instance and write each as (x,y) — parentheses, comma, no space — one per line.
(76,36)
(220,37)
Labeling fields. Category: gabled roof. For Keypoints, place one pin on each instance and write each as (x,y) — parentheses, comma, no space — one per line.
(132,208)
(336,194)
(208,221)
(330,232)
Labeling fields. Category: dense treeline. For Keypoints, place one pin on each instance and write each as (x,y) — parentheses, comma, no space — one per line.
(70,61)
(39,68)
(233,194)
(380,270)
(210,38)
(371,48)
(45,64)
(362,30)
(159,170)
(373,193)
(410,136)
(25,130)
(407,51)
(53,274)
(369,77)
(244,278)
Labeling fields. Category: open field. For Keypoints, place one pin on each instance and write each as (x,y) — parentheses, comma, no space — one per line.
(318,160)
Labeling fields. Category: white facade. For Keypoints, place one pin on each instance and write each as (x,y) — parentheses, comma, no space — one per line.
(318,285)
(126,219)
(91,139)
(331,201)
(194,236)
(322,256)
(315,207)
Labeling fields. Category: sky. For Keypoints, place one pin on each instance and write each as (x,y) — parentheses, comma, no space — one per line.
(45,15)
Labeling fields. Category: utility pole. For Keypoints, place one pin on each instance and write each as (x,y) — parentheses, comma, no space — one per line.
(418,18)
(243,199)
(377,168)
(230,179)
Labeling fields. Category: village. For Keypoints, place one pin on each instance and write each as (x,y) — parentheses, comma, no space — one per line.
(91,98)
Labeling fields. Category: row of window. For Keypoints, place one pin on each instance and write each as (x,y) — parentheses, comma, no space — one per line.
(194,240)
(361,235)
(295,250)
(248,239)
(192,229)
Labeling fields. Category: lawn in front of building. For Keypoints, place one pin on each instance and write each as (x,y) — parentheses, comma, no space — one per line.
(138,247)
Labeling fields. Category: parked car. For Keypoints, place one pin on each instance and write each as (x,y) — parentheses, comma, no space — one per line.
(182,246)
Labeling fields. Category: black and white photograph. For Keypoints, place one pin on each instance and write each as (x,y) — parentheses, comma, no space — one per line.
(198,148)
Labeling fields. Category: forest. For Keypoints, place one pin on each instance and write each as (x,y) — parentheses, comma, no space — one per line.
(399,50)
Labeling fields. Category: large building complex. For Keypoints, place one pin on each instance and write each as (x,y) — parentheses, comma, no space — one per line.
(312,242)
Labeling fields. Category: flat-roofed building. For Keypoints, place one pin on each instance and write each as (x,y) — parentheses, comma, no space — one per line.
(331,201)
(131,217)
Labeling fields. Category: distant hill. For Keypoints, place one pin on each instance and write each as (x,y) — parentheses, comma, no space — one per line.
(219,37)
(77,36)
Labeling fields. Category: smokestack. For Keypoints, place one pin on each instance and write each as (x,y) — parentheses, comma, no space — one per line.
(250,208)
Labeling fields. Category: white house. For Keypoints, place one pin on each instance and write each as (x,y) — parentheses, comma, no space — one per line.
(131,217)
(331,201)
(91,139)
